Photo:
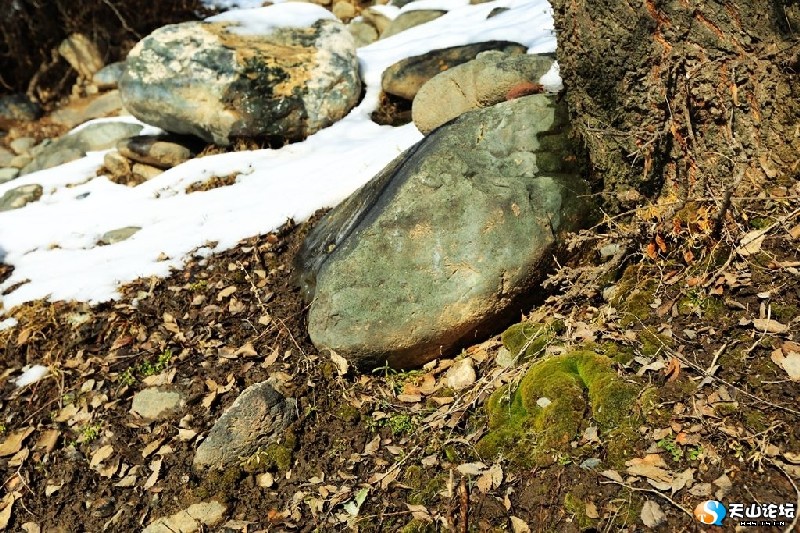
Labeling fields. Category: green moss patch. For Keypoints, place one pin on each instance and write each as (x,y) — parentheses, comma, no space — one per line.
(529,339)
(555,400)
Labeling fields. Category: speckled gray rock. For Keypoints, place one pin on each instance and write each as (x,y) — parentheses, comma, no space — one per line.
(20,196)
(197,517)
(482,82)
(142,172)
(409,19)
(70,147)
(450,241)
(108,76)
(5,157)
(119,234)
(22,144)
(289,83)
(18,108)
(154,150)
(116,164)
(155,403)
(8,174)
(82,55)
(376,19)
(254,420)
(363,33)
(104,105)
(405,77)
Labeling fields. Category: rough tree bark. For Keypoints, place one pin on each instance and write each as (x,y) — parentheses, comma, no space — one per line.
(677,100)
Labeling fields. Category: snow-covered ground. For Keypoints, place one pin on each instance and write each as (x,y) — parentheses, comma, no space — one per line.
(52,243)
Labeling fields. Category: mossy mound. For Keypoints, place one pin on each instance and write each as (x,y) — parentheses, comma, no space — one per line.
(529,339)
(553,403)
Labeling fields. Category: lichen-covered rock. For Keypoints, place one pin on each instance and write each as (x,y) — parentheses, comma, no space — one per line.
(449,241)
(108,76)
(254,421)
(82,55)
(154,150)
(85,109)
(20,196)
(100,136)
(557,399)
(405,77)
(482,82)
(18,108)
(409,19)
(245,73)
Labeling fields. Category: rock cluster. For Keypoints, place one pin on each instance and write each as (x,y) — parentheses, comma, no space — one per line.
(232,77)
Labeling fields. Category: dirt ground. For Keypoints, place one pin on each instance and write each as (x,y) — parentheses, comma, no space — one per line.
(709,328)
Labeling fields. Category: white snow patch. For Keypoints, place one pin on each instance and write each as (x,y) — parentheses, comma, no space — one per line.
(551,80)
(8,323)
(264,20)
(31,375)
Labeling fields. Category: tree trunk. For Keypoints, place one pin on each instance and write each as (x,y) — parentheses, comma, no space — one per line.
(678,100)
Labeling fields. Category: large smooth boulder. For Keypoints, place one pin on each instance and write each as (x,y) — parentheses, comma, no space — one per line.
(245,73)
(405,77)
(450,241)
(482,82)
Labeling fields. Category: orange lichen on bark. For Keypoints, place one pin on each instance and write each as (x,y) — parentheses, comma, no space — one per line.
(710,25)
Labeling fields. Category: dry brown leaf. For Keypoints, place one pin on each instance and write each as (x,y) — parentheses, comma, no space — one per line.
(769,325)
(13,443)
(591,511)
(518,525)
(224,293)
(652,515)
(389,478)
(420,512)
(126,482)
(613,475)
(155,467)
(47,440)
(795,232)
(373,445)
(673,369)
(7,505)
(651,251)
(682,480)
(246,350)
(491,479)
(151,447)
(31,527)
(409,398)
(793,458)
(471,469)
(652,467)
(342,366)
(102,453)
(751,242)
(790,362)
(662,246)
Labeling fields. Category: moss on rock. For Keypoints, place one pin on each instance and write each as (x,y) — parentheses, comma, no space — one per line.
(553,402)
